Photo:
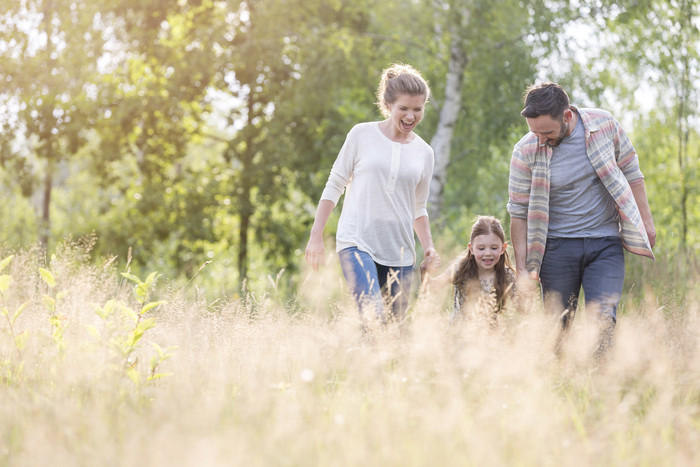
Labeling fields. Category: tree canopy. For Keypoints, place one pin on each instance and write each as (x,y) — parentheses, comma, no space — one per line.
(195,137)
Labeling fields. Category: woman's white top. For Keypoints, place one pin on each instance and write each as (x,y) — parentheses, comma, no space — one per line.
(386,189)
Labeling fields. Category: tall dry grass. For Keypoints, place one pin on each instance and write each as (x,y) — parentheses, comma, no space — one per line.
(255,383)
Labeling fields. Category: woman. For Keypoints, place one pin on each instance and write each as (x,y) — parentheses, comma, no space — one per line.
(385,169)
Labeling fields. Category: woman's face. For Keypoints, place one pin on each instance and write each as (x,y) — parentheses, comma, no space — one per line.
(406,112)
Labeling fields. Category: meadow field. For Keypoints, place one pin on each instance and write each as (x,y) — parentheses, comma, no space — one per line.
(98,368)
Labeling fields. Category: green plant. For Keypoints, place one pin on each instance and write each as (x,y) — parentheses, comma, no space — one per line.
(11,368)
(126,339)
(58,321)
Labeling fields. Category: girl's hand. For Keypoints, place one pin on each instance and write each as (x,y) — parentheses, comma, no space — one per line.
(314,251)
(526,281)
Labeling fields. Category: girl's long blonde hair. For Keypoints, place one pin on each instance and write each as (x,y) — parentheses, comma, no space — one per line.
(467,271)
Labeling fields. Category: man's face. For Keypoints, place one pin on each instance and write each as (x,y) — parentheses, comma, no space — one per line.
(551,131)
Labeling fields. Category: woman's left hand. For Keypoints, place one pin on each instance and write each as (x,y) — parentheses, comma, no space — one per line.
(431,261)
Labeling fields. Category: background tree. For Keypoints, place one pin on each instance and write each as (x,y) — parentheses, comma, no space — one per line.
(489,52)
(659,42)
(644,63)
(48,67)
(295,68)
(161,65)
(204,131)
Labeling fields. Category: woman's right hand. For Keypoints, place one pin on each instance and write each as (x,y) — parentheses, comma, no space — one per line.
(314,251)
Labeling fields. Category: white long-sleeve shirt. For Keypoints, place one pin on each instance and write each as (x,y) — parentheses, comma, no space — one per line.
(387,185)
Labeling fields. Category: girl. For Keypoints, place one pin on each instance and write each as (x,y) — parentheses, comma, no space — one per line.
(483,275)
(385,170)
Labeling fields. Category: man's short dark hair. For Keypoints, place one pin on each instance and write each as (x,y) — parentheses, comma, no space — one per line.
(545,99)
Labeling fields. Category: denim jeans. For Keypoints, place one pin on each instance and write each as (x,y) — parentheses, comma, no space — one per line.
(597,264)
(371,283)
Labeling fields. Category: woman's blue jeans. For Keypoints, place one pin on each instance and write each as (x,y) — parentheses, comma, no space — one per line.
(374,285)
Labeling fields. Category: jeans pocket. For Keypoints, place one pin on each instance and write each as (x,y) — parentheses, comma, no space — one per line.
(552,243)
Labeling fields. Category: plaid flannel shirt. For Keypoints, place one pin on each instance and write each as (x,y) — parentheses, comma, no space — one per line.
(615,161)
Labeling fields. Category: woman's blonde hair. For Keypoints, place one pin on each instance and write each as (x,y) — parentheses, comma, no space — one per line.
(400,79)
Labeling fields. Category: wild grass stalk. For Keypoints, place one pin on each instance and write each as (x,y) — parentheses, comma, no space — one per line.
(260,382)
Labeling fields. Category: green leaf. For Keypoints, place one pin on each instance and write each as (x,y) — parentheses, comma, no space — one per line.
(47,277)
(158,376)
(151,279)
(159,350)
(149,306)
(161,355)
(5,262)
(5,281)
(133,375)
(132,278)
(113,305)
(49,303)
(109,308)
(155,361)
(131,314)
(21,339)
(19,311)
(140,292)
(146,324)
(56,322)
(99,311)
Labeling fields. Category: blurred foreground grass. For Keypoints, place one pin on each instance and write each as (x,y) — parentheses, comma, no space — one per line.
(253,382)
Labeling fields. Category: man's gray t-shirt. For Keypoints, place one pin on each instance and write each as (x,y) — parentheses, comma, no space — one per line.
(579,203)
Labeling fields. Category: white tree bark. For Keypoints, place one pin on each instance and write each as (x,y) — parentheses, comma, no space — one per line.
(449,112)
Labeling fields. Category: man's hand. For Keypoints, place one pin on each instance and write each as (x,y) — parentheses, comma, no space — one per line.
(527,280)
(651,232)
(640,197)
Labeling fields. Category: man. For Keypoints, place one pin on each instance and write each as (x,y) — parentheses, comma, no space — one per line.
(576,198)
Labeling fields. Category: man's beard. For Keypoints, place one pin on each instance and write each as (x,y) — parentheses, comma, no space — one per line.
(554,142)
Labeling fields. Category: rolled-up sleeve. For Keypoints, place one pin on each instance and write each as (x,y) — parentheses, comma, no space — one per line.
(519,185)
(625,154)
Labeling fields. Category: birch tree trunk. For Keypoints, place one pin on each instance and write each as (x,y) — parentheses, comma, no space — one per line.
(449,112)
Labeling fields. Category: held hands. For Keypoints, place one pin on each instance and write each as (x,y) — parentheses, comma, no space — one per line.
(314,251)
(431,261)
(527,290)
(527,280)
(523,275)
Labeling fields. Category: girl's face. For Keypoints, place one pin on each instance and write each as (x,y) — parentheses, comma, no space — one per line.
(406,113)
(487,250)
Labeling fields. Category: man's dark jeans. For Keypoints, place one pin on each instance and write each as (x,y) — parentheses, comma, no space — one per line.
(596,264)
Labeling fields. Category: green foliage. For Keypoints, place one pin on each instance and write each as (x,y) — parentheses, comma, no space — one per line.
(195,134)
(124,328)
(19,339)
(49,68)
(160,356)
(285,62)
(657,47)
(656,141)
(47,277)
(121,333)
